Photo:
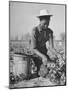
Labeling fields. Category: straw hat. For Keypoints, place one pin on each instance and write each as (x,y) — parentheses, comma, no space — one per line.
(44,13)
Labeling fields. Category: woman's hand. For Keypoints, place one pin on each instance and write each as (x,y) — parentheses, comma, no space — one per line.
(52,50)
(44,59)
(52,53)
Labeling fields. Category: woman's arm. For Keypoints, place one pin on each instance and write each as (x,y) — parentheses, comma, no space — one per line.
(38,53)
(51,43)
(41,55)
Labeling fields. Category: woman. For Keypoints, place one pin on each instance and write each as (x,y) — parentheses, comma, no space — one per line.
(40,35)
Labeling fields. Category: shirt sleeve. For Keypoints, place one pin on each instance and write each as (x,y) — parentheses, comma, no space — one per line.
(34,38)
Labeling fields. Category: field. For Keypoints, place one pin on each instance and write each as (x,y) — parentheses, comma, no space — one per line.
(53,74)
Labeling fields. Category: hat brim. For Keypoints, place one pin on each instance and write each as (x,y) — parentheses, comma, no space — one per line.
(44,16)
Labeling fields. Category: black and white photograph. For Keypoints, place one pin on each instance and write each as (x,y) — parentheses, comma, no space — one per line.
(37,44)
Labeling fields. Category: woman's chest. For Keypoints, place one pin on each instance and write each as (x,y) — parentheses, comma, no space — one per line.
(43,36)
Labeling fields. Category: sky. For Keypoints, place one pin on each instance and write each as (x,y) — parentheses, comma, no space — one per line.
(23,18)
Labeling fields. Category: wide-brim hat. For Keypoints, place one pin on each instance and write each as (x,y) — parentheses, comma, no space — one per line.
(44,13)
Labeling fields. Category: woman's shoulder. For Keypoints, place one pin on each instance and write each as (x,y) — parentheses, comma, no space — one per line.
(35,29)
(50,30)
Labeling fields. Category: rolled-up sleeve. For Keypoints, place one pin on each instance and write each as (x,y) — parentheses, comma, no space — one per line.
(34,38)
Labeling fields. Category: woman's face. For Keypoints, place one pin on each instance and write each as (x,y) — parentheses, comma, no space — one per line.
(44,23)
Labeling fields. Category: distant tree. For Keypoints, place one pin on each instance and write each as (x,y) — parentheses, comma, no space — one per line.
(62,36)
(16,37)
(11,38)
(22,37)
(27,36)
